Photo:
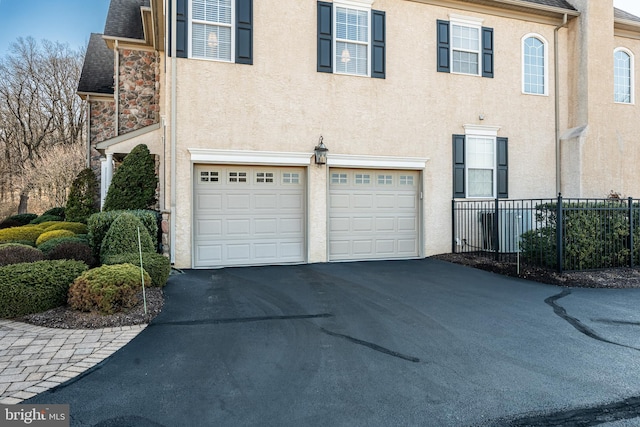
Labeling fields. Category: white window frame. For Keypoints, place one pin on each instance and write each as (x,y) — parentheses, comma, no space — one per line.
(359,5)
(470,22)
(545,46)
(214,24)
(632,85)
(483,132)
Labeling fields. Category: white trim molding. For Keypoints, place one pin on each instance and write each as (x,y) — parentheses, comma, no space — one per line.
(481,130)
(376,162)
(207,155)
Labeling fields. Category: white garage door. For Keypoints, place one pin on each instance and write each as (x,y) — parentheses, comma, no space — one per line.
(248,215)
(373,214)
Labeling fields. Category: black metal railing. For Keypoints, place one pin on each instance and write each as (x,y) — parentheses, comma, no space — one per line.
(559,233)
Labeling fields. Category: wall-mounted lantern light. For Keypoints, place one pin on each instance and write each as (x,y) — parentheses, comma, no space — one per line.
(321,152)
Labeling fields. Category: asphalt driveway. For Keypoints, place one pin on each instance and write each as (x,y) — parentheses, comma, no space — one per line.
(419,342)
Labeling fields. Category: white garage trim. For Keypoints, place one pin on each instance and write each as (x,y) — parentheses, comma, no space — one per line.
(206,155)
(376,162)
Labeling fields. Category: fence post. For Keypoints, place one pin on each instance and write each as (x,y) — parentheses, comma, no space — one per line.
(453,226)
(496,234)
(630,201)
(559,233)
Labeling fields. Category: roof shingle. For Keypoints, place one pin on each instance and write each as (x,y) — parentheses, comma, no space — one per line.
(97,70)
(621,14)
(124,19)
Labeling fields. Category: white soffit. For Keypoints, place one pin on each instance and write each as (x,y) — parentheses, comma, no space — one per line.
(205,155)
(376,162)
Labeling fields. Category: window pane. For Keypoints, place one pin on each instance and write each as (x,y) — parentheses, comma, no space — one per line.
(480,183)
(351,58)
(622,77)
(211,41)
(217,11)
(534,66)
(465,62)
(352,24)
(467,38)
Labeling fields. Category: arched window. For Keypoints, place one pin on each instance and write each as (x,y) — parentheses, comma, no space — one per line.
(534,65)
(622,76)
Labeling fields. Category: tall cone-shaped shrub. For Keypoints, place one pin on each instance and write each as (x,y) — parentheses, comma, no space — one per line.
(134,183)
(82,197)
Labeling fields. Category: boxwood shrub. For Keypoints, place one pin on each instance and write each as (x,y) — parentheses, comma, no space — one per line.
(157,265)
(8,223)
(23,219)
(99,223)
(48,235)
(59,211)
(15,253)
(33,287)
(49,245)
(107,289)
(24,233)
(76,227)
(122,237)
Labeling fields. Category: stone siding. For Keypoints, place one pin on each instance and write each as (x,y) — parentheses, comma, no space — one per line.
(138,90)
(102,127)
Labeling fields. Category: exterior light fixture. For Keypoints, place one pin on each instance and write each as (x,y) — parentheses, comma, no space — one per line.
(321,152)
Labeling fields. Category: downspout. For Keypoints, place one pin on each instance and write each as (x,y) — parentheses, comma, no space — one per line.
(174,40)
(88,132)
(556,84)
(116,89)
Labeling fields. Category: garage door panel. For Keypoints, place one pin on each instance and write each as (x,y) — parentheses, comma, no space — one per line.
(248,216)
(373,214)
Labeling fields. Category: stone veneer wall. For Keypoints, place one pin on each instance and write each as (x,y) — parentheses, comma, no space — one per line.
(138,90)
(102,127)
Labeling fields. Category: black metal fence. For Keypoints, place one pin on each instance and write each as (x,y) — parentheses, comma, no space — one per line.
(558,233)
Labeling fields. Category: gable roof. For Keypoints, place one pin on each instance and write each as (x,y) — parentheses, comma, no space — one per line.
(97,70)
(124,19)
(621,14)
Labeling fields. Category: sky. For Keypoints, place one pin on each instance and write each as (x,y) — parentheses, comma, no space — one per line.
(72,21)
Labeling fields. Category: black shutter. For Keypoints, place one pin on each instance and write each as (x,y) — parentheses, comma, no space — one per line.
(503,168)
(244,32)
(443,47)
(458,167)
(182,32)
(378,36)
(325,37)
(487,52)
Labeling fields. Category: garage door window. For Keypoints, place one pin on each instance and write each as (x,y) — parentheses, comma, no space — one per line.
(208,176)
(406,180)
(237,177)
(264,177)
(362,178)
(385,179)
(338,178)
(290,178)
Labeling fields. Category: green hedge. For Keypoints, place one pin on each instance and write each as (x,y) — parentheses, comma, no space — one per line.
(83,197)
(122,237)
(48,235)
(37,286)
(59,211)
(107,289)
(23,219)
(99,223)
(15,253)
(46,218)
(49,245)
(134,183)
(157,265)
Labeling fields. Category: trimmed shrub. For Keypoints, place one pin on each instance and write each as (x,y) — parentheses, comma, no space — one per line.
(55,212)
(15,253)
(134,183)
(73,250)
(46,218)
(83,197)
(24,233)
(8,223)
(75,227)
(23,219)
(99,223)
(122,237)
(28,288)
(158,266)
(107,289)
(49,245)
(48,235)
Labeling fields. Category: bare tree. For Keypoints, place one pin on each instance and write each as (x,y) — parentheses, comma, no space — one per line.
(39,109)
